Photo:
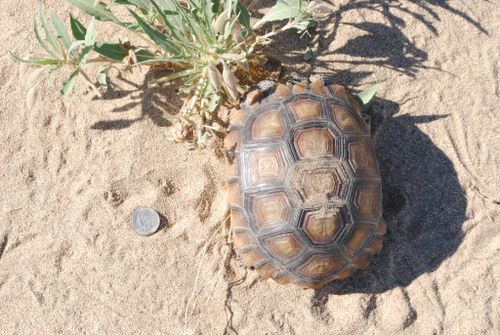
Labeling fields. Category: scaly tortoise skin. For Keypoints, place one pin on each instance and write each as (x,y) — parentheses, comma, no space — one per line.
(303,184)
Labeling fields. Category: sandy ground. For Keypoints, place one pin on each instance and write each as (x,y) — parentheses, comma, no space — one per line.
(73,170)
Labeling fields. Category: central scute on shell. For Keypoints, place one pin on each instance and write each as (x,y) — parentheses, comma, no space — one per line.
(303,183)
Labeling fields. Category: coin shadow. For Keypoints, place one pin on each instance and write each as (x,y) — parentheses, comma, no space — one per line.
(163,223)
(423,202)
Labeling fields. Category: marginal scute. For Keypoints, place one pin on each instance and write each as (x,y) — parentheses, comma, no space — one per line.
(314,142)
(318,87)
(237,116)
(268,125)
(231,169)
(340,92)
(305,109)
(356,239)
(283,280)
(231,140)
(242,239)
(298,88)
(238,219)
(314,285)
(266,270)
(367,200)
(281,91)
(252,257)
(233,194)
(361,157)
(345,273)
(285,246)
(363,260)
(382,227)
(346,120)
(376,244)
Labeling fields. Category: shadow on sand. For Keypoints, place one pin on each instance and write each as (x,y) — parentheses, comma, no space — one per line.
(424,206)
(153,100)
(381,44)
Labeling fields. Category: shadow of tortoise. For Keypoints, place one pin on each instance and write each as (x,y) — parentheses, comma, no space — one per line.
(424,206)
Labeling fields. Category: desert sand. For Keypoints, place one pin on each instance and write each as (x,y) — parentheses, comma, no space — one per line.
(72,171)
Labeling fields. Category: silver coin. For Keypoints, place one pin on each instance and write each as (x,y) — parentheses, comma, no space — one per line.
(145,221)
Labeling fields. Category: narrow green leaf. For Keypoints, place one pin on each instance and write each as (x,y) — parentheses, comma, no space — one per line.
(156,36)
(365,97)
(70,83)
(77,28)
(170,8)
(60,28)
(100,11)
(244,16)
(48,34)
(173,76)
(118,52)
(36,60)
(143,5)
(111,50)
(165,19)
(41,41)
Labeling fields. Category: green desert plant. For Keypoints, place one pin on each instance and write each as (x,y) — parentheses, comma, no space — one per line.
(204,43)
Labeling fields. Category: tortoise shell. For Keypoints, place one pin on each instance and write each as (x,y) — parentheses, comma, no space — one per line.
(303,184)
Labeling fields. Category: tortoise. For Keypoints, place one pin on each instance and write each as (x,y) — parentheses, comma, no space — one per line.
(303,184)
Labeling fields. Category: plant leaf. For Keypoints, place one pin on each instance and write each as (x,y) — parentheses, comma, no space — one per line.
(166,21)
(79,31)
(156,36)
(90,34)
(118,52)
(171,8)
(60,28)
(244,16)
(284,9)
(70,83)
(101,77)
(143,5)
(48,35)
(41,41)
(100,11)
(365,97)
(36,60)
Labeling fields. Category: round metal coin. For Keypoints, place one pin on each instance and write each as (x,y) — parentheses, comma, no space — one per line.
(145,221)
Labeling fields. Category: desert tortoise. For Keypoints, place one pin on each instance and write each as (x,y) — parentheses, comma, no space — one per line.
(304,186)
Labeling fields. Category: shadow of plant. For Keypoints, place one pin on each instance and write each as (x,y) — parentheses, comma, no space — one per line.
(155,101)
(383,44)
(424,206)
